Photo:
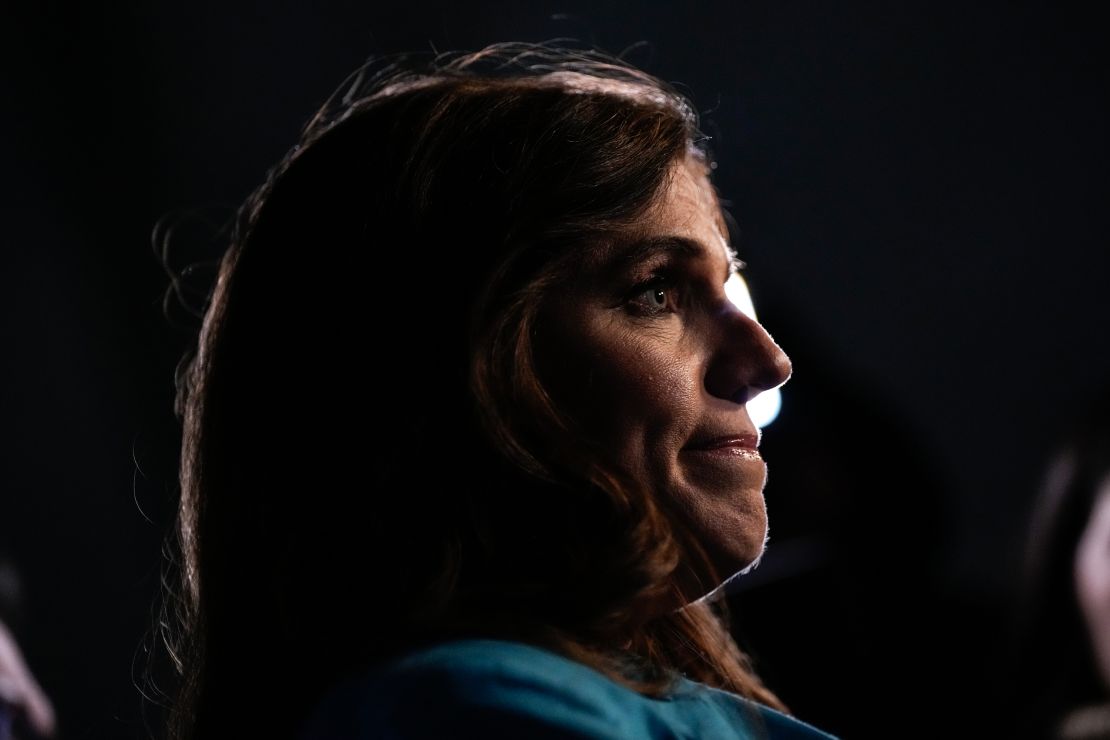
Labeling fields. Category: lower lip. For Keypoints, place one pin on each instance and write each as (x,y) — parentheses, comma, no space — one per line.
(729,452)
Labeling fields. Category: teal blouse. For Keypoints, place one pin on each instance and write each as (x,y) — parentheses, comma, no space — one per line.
(496,689)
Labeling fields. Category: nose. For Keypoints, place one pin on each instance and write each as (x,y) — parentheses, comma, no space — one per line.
(744,360)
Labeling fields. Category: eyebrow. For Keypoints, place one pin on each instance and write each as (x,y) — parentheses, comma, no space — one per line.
(628,254)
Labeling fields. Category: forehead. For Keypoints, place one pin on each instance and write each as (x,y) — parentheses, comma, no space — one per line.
(687,213)
(689,202)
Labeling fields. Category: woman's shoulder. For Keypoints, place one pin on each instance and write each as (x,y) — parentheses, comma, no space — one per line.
(501,689)
(467,688)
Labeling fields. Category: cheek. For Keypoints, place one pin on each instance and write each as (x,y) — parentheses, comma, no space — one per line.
(633,391)
(627,387)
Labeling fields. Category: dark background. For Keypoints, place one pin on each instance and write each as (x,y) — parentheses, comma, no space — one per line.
(921,192)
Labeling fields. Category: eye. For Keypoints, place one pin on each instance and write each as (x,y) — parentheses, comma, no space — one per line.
(656,297)
(652,298)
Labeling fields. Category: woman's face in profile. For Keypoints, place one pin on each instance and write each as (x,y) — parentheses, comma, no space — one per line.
(648,354)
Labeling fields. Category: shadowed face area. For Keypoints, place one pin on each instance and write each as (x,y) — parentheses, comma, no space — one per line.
(647,354)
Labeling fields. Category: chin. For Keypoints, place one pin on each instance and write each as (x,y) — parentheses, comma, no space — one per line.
(744,561)
(735,564)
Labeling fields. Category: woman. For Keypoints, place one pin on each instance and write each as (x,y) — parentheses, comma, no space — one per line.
(466,425)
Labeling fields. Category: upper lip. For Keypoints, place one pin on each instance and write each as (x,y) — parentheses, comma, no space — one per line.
(745,440)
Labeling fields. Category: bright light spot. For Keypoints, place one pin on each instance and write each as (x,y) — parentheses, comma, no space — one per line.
(765,407)
(737,291)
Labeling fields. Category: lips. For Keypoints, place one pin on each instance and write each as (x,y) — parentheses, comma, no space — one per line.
(727,442)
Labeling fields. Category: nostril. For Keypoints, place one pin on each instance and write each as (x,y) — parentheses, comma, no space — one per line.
(743,395)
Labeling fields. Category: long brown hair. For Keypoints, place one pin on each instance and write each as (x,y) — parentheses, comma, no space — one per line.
(370,459)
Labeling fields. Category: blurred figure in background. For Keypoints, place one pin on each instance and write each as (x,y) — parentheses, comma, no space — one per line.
(25,711)
(1062,655)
